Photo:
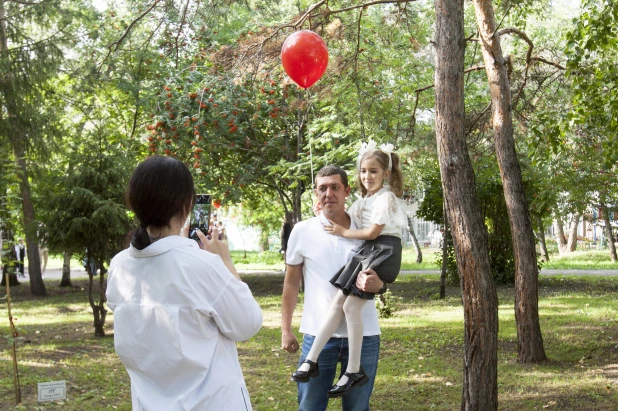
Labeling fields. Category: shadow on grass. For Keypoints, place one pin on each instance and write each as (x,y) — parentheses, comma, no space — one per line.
(421,352)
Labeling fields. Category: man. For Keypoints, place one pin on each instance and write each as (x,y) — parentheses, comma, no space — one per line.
(315,256)
(20,251)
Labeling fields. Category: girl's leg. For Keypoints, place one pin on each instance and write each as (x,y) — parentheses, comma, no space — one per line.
(352,309)
(335,315)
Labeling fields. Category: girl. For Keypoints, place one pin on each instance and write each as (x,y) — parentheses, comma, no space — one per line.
(381,214)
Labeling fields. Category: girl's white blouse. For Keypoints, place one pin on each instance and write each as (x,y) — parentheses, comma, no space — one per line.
(178,313)
(381,208)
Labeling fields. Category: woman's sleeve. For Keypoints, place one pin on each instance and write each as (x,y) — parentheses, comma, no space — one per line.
(237,314)
(387,209)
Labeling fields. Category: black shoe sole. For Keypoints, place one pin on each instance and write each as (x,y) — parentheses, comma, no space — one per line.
(315,373)
(359,383)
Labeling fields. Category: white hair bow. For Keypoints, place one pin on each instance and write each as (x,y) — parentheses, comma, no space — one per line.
(364,148)
(388,150)
(370,146)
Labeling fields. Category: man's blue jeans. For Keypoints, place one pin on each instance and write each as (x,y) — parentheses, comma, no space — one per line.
(312,394)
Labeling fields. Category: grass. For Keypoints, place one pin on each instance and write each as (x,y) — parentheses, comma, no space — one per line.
(270,260)
(420,360)
(582,260)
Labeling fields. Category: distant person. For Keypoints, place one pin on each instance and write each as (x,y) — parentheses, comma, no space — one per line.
(179,305)
(286,230)
(44,256)
(221,230)
(20,252)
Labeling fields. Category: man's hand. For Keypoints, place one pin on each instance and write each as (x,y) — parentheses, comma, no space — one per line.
(289,342)
(369,281)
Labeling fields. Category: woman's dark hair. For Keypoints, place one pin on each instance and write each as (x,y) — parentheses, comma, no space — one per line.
(160,189)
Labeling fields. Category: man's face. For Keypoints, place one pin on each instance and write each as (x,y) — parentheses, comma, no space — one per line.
(331,194)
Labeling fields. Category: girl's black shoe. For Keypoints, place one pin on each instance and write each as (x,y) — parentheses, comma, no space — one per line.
(304,376)
(354,378)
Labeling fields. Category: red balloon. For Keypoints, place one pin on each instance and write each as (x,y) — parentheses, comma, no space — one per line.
(304,57)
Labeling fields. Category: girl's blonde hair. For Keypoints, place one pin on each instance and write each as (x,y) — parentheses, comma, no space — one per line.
(395,180)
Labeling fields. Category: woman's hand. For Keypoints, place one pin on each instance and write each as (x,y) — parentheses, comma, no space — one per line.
(212,244)
(335,229)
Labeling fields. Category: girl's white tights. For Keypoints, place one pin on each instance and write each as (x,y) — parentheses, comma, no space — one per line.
(351,307)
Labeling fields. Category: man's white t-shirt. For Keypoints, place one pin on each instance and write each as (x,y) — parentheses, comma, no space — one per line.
(322,255)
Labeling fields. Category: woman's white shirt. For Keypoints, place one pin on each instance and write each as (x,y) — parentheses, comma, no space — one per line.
(384,207)
(178,312)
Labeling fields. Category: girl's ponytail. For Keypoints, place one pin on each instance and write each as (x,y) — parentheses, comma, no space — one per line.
(396,180)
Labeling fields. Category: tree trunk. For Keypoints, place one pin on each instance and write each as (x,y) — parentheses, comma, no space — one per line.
(419,253)
(608,232)
(37,287)
(480,388)
(13,280)
(98,308)
(529,339)
(66,270)
(560,237)
(572,241)
(542,244)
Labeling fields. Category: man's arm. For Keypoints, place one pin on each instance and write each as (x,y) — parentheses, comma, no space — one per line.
(369,281)
(289,299)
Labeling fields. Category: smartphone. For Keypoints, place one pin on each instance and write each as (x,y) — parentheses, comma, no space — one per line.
(200,215)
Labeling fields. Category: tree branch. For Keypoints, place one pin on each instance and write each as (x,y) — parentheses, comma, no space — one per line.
(128,30)
(369,3)
(25,3)
(551,63)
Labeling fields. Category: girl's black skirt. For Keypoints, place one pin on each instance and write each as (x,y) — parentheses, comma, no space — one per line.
(383,255)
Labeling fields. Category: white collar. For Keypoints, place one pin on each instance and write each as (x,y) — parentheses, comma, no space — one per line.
(324,221)
(162,246)
(380,191)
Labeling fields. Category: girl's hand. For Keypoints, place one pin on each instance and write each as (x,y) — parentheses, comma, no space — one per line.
(335,229)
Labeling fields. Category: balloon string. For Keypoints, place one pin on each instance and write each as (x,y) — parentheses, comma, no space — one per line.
(310,139)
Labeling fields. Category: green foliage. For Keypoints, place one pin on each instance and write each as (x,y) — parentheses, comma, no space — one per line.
(452,275)
(84,205)
(593,47)
(385,304)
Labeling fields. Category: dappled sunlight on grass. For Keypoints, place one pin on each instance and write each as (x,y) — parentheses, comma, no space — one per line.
(421,350)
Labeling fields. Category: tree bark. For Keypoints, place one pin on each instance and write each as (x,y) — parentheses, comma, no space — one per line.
(66,270)
(572,241)
(480,388)
(560,237)
(17,140)
(98,308)
(419,253)
(529,339)
(542,243)
(608,233)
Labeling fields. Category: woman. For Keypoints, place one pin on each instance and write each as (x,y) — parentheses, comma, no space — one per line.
(179,307)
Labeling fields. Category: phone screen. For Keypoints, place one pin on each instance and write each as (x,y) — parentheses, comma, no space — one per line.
(200,215)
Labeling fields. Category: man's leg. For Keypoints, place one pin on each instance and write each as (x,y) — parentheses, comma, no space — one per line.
(312,394)
(358,397)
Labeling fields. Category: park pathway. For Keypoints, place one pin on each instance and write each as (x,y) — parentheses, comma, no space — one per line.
(56,274)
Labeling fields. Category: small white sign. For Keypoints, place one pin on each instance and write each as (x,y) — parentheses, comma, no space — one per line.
(52,391)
